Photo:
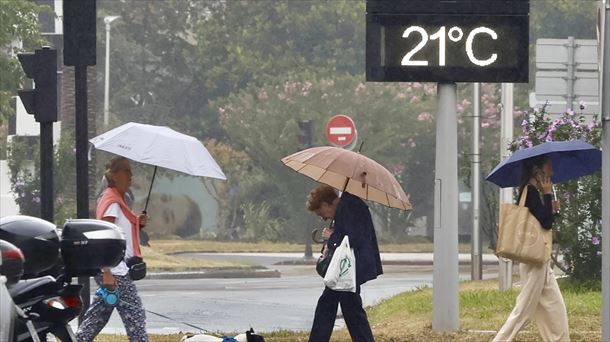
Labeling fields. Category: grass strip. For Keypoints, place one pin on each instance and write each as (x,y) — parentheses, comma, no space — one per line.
(207,246)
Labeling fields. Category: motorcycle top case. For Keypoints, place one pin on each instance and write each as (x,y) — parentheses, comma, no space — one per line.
(88,245)
(37,239)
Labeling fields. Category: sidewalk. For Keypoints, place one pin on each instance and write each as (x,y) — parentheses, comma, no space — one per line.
(419,259)
(224,272)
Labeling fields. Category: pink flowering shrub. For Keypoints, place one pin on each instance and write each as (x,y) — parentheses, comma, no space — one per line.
(577,231)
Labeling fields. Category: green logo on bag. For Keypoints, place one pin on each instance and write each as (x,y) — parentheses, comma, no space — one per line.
(344,265)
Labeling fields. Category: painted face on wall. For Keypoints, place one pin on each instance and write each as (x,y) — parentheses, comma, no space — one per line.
(172,214)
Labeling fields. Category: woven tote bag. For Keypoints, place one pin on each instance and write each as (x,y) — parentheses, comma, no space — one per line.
(520,236)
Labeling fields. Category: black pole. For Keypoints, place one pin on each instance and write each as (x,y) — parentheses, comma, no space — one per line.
(79,51)
(46,171)
(150,189)
(307,128)
(82,177)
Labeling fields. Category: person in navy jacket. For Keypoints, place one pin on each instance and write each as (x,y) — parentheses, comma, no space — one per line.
(350,216)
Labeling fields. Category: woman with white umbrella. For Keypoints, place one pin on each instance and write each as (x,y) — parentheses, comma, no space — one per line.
(113,208)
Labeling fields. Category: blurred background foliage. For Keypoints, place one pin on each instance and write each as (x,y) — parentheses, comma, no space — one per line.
(239,75)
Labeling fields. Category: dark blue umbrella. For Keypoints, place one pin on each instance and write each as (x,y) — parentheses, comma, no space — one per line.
(571,159)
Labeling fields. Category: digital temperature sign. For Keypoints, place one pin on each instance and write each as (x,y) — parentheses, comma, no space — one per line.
(447,47)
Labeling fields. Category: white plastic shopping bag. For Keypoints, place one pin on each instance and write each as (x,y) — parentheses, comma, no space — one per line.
(341,273)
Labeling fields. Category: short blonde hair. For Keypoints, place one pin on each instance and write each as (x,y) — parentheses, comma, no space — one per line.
(319,195)
(115,164)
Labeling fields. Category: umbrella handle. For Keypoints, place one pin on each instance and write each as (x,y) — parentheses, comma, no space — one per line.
(150,189)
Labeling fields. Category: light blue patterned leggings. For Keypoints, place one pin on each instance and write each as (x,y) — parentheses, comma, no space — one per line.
(130,309)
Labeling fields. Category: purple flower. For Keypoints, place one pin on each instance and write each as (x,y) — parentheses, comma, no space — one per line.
(599,253)
(595,241)
(36,199)
(567,196)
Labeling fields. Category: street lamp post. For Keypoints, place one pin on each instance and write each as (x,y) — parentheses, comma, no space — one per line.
(107,20)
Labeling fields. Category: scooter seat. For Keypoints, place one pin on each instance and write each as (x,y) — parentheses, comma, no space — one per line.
(29,288)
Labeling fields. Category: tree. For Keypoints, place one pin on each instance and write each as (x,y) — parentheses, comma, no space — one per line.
(166,70)
(263,122)
(243,42)
(18,27)
(563,18)
(24,166)
(154,75)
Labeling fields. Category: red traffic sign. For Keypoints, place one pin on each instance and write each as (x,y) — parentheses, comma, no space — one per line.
(340,130)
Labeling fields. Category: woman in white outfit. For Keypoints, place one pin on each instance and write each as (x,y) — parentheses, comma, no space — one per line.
(540,298)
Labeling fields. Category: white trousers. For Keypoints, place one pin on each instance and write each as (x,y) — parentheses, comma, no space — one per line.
(540,300)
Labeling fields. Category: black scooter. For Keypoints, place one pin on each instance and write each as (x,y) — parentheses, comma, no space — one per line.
(45,299)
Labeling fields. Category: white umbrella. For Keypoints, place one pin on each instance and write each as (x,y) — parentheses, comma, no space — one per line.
(159,146)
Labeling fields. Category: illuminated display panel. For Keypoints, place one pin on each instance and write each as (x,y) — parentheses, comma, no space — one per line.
(447,48)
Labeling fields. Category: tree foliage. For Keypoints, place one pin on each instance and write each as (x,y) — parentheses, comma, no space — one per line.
(154,76)
(18,27)
(562,18)
(250,118)
(170,58)
(24,166)
(244,72)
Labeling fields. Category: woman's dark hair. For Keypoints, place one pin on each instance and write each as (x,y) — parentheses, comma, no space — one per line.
(528,169)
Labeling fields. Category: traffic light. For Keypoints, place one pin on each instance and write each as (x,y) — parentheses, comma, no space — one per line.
(306,133)
(79,32)
(41,66)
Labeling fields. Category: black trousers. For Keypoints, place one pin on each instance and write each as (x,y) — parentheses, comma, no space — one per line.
(353,313)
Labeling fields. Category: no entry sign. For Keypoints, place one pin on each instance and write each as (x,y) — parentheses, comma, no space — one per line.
(340,130)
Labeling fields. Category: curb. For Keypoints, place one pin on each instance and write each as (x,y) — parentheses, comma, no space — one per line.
(218,273)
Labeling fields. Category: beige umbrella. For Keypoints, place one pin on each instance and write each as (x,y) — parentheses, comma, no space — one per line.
(350,171)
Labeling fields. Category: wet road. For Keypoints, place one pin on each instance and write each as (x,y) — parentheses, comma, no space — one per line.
(262,303)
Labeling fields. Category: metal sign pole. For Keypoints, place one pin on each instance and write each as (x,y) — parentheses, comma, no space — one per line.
(605,93)
(445,290)
(505,270)
(476,262)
